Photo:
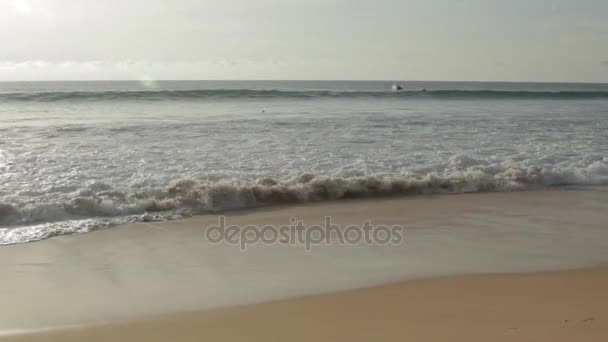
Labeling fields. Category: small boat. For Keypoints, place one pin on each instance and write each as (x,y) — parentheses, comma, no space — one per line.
(397,87)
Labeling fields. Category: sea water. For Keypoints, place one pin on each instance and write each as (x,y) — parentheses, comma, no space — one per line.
(81,156)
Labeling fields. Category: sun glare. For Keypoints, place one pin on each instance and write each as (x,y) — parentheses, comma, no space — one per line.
(22,6)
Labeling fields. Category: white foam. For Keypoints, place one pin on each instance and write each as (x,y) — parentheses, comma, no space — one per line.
(187,196)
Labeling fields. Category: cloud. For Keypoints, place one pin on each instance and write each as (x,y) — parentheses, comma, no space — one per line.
(8,65)
(135,69)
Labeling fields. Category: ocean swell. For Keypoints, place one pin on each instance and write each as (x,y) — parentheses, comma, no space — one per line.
(295,94)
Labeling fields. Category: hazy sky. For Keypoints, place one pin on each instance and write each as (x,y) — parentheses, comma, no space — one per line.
(538,40)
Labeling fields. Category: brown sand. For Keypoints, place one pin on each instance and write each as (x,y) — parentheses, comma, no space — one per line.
(166,269)
(559,306)
(140,270)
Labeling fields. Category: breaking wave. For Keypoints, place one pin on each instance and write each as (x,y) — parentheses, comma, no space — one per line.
(278,94)
(87,210)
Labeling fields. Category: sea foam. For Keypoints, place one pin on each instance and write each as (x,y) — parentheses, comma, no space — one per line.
(97,208)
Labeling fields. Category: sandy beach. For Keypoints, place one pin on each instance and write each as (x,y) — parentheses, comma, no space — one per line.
(163,280)
(559,306)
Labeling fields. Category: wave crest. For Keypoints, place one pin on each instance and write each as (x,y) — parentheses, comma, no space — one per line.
(191,196)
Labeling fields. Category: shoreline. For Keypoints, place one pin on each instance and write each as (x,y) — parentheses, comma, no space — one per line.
(112,274)
(162,216)
(540,306)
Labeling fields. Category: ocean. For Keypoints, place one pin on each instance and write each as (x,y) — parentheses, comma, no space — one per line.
(82,156)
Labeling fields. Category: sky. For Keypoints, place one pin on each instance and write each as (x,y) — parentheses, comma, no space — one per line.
(484,40)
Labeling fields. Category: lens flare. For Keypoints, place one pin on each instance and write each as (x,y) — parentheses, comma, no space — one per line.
(149,83)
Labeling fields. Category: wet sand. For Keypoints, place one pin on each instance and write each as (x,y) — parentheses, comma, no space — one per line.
(133,272)
(562,306)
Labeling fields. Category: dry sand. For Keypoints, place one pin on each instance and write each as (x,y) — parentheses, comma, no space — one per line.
(560,306)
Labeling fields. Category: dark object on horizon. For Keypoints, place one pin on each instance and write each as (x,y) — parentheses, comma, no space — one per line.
(397,87)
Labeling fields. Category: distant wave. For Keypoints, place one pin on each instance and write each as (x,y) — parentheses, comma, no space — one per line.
(279,94)
(99,207)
